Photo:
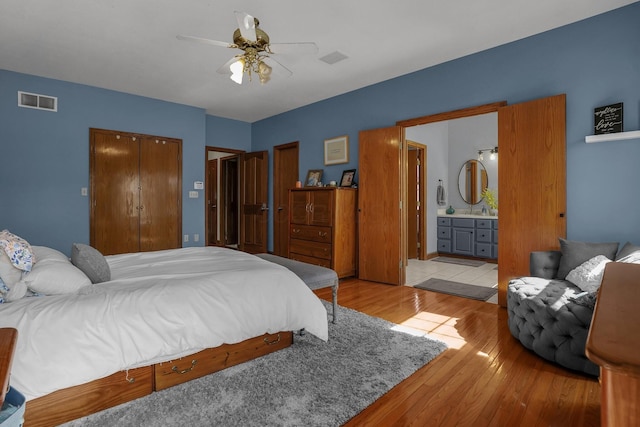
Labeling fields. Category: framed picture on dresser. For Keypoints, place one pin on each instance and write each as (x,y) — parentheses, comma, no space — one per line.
(314,176)
(348,178)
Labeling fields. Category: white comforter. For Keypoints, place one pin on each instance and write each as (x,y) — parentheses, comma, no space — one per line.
(158,306)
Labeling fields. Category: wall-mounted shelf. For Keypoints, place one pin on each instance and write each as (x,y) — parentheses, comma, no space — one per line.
(618,136)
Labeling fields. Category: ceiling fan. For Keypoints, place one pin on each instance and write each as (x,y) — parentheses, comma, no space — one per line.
(257,50)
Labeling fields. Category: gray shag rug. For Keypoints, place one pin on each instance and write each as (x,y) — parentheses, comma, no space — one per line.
(481,293)
(311,383)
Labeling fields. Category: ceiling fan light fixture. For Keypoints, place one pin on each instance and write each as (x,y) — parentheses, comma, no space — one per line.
(264,72)
(237,71)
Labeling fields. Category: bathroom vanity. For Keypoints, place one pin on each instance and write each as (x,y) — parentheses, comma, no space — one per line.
(468,235)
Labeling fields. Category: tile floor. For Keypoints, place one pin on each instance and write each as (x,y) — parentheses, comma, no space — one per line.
(484,275)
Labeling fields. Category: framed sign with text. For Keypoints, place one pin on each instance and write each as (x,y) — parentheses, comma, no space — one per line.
(608,119)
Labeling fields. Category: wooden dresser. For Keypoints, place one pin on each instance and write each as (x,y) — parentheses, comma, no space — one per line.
(614,344)
(322,228)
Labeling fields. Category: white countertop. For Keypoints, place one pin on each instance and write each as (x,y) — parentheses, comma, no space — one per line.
(442,212)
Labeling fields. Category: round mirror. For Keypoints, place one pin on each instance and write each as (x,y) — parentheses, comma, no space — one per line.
(472,181)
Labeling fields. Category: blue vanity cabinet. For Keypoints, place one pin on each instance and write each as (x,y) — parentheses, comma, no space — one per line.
(444,235)
(462,236)
(473,237)
(484,236)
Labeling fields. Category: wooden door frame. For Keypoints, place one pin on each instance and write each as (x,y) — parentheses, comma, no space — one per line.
(422,213)
(208,149)
(450,115)
(277,184)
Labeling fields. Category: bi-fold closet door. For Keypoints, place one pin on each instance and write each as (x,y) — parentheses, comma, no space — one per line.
(136,192)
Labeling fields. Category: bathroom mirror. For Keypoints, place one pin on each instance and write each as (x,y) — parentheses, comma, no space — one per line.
(472,181)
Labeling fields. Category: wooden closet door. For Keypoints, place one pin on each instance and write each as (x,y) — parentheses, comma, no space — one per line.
(160,193)
(532,184)
(114,161)
(381,187)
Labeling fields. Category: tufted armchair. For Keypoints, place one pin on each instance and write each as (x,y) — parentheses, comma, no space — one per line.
(549,316)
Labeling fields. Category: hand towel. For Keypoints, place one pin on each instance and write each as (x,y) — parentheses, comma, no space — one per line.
(440,196)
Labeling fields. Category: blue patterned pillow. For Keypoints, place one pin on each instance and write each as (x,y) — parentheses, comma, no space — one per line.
(18,250)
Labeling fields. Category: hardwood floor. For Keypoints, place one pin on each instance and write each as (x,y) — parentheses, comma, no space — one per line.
(485,378)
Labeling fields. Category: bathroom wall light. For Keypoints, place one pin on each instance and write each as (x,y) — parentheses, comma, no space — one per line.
(493,153)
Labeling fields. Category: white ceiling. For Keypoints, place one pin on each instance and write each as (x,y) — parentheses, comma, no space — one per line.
(131,46)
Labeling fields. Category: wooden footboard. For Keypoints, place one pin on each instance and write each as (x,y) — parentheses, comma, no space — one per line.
(78,401)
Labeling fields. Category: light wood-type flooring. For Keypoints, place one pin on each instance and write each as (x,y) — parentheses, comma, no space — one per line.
(485,378)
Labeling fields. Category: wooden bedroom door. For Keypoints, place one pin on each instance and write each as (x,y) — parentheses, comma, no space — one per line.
(285,175)
(254,202)
(532,184)
(136,192)
(381,225)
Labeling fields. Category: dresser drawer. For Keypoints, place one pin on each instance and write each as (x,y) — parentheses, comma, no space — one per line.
(444,232)
(483,223)
(483,235)
(463,222)
(311,260)
(483,250)
(311,232)
(444,246)
(444,221)
(310,248)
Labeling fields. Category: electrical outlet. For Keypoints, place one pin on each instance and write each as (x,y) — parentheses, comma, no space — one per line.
(196,237)
(186,237)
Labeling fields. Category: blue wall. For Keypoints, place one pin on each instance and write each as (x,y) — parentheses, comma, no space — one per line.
(45,155)
(45,158)
(595,62)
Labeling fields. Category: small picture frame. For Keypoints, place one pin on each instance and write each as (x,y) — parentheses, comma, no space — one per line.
(314,176)
(336,150)
(348,178)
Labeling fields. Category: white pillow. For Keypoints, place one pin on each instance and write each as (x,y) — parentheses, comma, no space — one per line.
(9,274)
(588,275)
(632,258)
(44,253)
(53,277)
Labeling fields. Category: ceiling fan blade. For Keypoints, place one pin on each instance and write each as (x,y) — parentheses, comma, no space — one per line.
(294,48)
(224,69)
(277,67)
(205,41)
(247,26)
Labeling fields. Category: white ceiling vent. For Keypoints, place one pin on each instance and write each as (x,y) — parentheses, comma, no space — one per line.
(40,102)
(334,57)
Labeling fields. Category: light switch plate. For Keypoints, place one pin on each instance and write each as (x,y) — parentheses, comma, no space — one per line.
(193,194)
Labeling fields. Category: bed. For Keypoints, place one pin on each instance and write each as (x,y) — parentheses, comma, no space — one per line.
(163,318)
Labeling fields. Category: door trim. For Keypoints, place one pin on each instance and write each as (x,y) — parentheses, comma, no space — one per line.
(422,185)
(451,115)
(208,149)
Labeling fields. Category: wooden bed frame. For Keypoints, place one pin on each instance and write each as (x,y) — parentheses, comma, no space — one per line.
(78,401)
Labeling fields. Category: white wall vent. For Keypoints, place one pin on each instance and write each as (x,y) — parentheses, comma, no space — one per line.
(40,102)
